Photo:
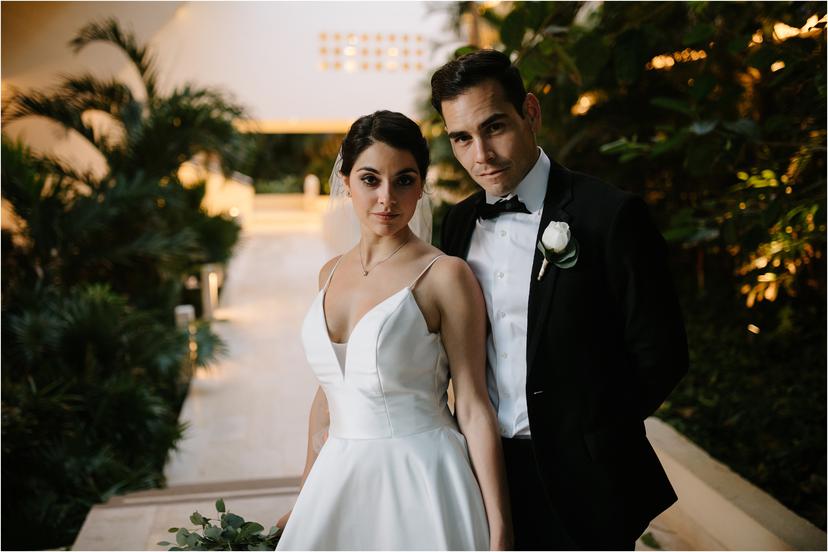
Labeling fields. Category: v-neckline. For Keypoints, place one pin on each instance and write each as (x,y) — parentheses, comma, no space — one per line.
(324,293)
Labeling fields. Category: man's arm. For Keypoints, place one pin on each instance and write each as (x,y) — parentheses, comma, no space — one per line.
(654,335)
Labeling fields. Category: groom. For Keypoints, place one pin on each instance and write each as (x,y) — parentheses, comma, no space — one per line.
(579,355)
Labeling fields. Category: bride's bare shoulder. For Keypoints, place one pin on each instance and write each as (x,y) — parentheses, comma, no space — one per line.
(326,269)
(451,273)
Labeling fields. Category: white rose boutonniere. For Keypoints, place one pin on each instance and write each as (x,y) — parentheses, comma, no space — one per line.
(557,246)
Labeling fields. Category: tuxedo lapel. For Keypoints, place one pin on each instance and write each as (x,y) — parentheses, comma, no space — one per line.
(558,195)
(466,219)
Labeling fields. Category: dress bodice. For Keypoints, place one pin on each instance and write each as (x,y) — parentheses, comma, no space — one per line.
(395,377)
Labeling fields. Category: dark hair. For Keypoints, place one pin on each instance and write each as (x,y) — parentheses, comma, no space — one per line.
(457,76)
(388,127)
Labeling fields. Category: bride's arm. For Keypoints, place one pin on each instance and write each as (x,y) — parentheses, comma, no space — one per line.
(318,422)
(463,331)
(318,419)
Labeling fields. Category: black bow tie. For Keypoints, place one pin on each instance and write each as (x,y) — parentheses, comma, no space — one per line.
(492,210)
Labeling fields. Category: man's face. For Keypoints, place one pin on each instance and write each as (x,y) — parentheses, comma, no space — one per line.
(490,138)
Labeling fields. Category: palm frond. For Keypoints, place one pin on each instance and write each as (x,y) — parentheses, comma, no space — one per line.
(108,30)
(54,107)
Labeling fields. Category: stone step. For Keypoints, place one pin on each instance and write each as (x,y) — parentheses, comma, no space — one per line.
(139,520)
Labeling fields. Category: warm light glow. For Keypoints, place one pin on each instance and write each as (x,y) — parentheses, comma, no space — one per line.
(234,212)
(781,31)
(753,329)
(661,62)
(350,51)
(393,52)
(667,61)
(761,262)
(777,66)
(350,66)
(391,65)
(547,88)
(584,104)
(757,37)
(766,277)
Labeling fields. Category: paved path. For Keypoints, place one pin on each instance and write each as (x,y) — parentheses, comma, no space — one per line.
(247,413)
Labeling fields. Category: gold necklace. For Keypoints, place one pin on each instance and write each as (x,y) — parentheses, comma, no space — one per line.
(365,271)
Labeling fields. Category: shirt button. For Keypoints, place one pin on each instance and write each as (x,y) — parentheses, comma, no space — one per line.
(503,233)
(500,275)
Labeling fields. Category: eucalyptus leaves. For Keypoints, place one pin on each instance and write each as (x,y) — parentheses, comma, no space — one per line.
(232,533)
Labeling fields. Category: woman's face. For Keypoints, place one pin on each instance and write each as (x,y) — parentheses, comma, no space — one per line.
(385,186)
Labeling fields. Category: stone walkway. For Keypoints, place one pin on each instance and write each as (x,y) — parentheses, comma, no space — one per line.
(247,414)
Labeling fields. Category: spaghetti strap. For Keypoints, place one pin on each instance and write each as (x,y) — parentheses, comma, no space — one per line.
(330,276)
(417,279)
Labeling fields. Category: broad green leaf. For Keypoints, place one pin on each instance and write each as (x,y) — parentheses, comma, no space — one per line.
(220,505)
(700,34)
(744,127)
(672,104)
(234,521)
(463,50)
(702,85)
(197,519)
(672,143)
(513,29)
(212,532)
(629,57)
(701,128)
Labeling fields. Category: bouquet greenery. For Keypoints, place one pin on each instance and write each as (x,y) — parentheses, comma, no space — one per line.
(231,533)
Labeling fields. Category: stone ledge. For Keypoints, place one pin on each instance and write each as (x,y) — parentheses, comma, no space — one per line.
(719,510)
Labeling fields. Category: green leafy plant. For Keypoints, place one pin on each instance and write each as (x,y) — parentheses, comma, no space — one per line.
(94,368)
(231,533)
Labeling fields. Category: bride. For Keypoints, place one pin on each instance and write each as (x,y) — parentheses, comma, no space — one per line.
(393,315)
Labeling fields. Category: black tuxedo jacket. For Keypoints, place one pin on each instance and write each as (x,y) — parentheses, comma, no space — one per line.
(605,346)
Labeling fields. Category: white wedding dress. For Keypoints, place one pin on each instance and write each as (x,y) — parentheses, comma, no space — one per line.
(394,473)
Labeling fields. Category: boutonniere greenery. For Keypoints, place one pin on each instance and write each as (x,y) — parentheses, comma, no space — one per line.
(558,247)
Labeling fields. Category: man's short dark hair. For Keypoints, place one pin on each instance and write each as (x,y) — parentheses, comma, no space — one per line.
(457,76)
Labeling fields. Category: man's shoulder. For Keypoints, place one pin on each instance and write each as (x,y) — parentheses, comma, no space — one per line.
(596,194)
(469,203)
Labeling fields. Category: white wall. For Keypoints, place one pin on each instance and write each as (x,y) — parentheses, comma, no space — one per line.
(266,54)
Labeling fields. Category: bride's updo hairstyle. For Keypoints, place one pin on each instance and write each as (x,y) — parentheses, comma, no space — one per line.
(390,128)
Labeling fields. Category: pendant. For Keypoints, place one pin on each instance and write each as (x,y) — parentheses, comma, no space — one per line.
(365,273)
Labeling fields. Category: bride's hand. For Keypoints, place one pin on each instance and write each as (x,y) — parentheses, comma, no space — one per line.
(283,520)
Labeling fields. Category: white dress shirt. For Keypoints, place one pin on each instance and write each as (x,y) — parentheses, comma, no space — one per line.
(500,255)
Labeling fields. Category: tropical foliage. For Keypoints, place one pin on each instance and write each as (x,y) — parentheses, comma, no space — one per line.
(94,369)
(715,113)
